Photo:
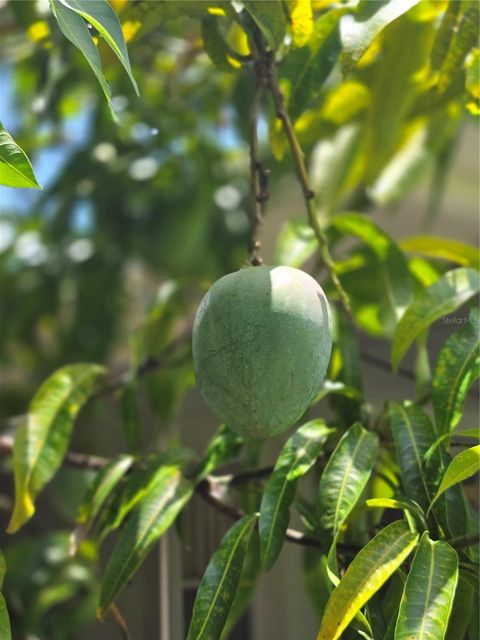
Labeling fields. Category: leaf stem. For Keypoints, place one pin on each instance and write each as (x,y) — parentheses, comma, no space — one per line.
(302,175)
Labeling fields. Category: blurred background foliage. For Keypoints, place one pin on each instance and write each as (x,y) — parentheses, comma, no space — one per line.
(137,217)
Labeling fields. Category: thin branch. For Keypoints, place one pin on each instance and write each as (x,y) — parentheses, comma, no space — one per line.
(308,194)
(258,175)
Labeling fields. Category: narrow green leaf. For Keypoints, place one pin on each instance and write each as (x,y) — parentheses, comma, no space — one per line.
(219,584)
(42,442)
(444,296)
(222,449)
(270,18)
(369,570)
(463,466)
(413,435)
(75,29)
(465,38)
(447,249)
(444,34)
(102,486)
(5,630)
(152,518)
(359,31)
(428,595)
(330,387)
(343,480)
(295,245)
(101,15)
(393,264)
(306,68)
(458,366)
(297,456)
(15,167)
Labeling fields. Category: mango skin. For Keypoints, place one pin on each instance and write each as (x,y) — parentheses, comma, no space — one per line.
(262,340)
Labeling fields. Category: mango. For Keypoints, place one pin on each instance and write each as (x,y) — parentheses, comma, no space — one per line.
(261,346)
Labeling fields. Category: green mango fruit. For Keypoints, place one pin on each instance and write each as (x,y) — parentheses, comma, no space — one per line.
(261,344)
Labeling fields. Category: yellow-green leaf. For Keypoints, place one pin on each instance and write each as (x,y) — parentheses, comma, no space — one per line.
(270,19)
(300,17)
(369,570)
(5,630)
(41,443)
(444,296)
(463,466)
(359,31)
(428,594)
(15,168)
(447,249)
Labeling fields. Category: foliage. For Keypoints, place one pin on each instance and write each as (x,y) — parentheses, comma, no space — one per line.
(144,204)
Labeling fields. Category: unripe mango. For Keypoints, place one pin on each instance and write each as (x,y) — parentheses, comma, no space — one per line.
(261,346)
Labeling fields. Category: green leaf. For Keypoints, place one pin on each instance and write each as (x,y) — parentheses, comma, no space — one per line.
(5,630)
(465,38)
(410,506)
(444,296)
(222,449)
(306,68)
(458,366)
(152,518)
(429,590)
(444,34)
(447,249)
(297,456)
(295,245)
(269,16)
(219,584)
(15,167)
(75,29)
(215,46)
(130,416)
(459,433)
(413,435)
(138,484)
(359,31)
(102,486)
(343,481)
(393,264)
(461,610)
(246,585)
(463,466)
(42,442)
(101,15)
(369,570)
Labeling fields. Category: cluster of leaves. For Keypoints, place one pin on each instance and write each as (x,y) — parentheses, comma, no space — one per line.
(391,541)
